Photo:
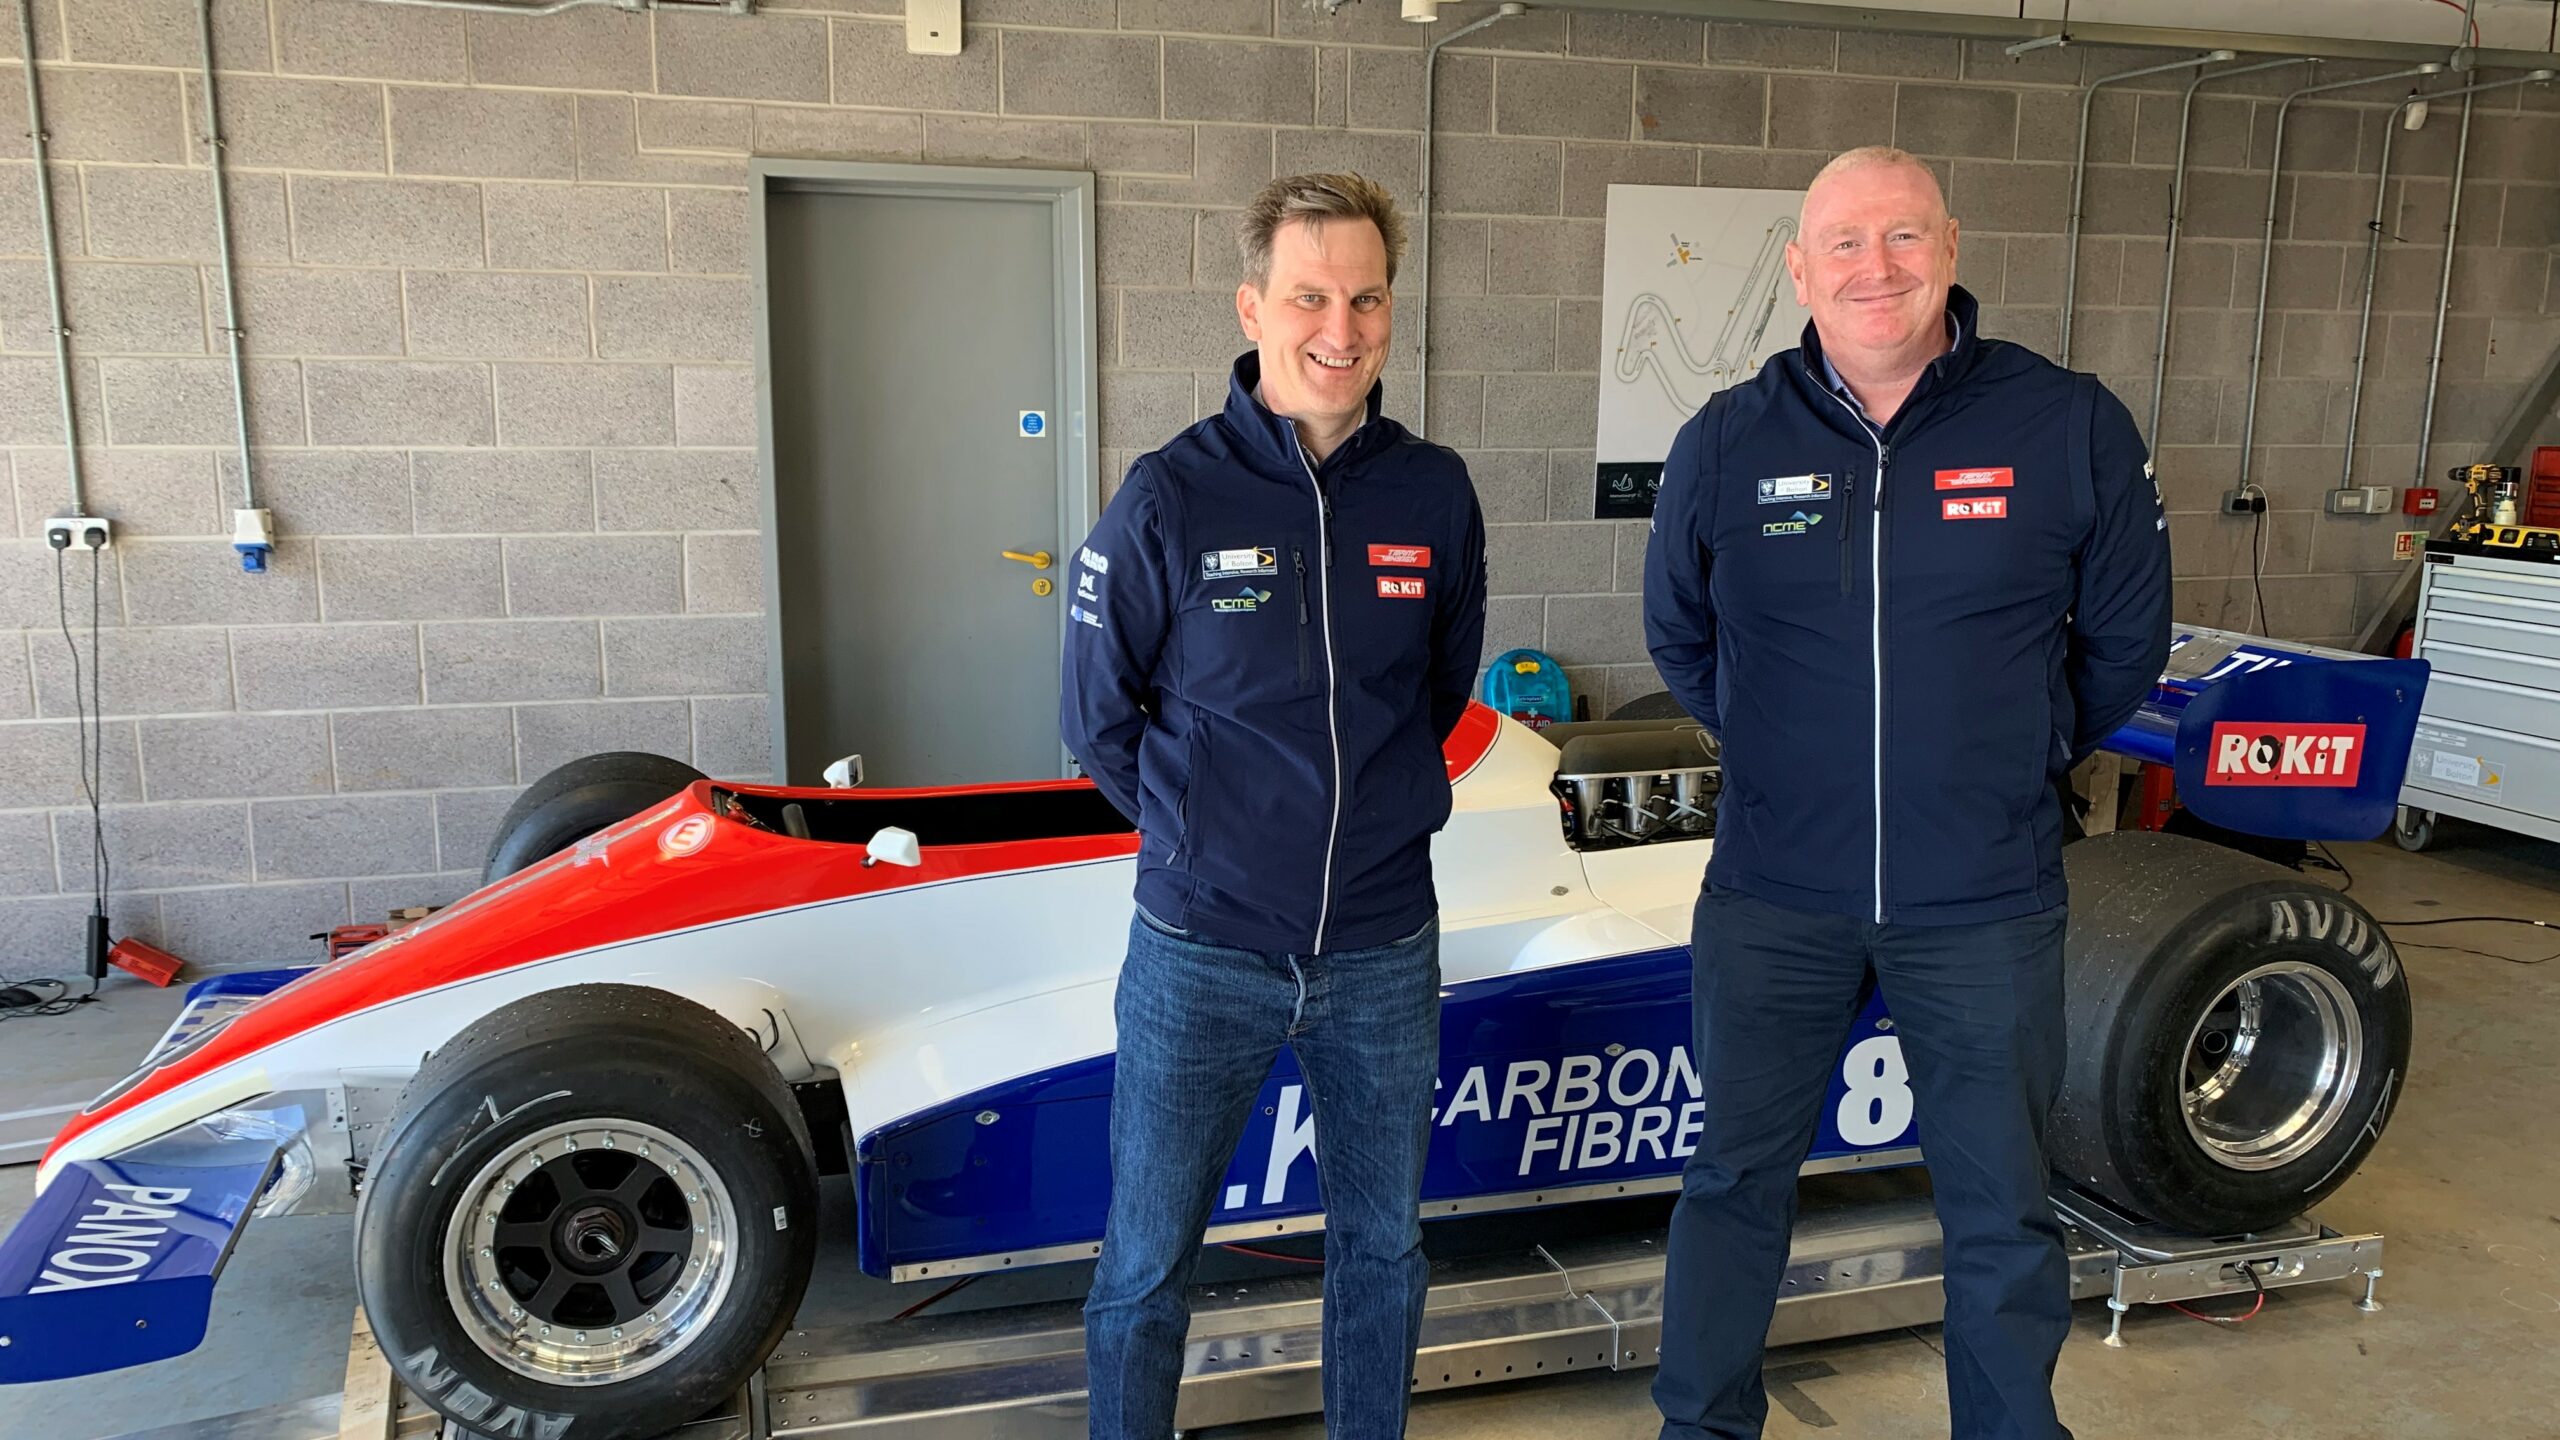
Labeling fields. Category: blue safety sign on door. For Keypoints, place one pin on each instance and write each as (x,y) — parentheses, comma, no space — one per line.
(1035,424)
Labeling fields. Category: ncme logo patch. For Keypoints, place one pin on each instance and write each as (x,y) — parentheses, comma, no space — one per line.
(2267,752)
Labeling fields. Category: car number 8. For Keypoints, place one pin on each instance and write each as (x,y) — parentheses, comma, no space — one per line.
(1878,1106)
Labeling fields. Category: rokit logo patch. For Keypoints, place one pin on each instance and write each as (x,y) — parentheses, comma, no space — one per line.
(2271,753)
(1988,507)
(1399,587)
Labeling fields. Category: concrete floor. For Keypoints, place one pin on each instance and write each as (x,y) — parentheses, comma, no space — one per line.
(2466,1186)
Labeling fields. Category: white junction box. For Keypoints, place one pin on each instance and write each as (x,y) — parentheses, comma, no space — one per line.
(2488,742)
(2361,500)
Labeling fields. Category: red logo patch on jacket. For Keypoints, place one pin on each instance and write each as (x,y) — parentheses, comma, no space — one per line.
(1400,587)
(1982,478)
(1989,507)
(1408,556)
(2263,752)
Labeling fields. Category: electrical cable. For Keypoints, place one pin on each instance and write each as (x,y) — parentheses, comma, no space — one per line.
(2249,1269)
(37,1006)
(87,707)
(918,1308)
(2330,858)
(2483,954)
(103,869)
(1272,1255)
(2466,15)
(2257,558)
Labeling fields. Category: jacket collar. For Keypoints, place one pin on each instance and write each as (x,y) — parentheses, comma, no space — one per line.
(1275,438)
(1963,311)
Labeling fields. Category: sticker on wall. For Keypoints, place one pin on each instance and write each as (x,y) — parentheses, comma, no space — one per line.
(1035,423)
(2408,544)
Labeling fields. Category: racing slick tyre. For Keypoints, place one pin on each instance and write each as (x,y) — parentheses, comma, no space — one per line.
(592,1218)
(2237,1034)
(577,800)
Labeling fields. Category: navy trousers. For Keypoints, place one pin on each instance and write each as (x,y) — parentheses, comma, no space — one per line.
(1979,1012)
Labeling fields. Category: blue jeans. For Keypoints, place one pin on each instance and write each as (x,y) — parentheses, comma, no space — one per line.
(1200,1025)
(1979,1011)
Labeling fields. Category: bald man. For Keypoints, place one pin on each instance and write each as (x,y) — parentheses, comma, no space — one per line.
(1909,576)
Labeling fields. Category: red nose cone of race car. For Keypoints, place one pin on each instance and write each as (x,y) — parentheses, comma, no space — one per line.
(670,868)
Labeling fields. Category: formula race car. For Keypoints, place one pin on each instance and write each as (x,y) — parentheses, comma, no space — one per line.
(583,1111)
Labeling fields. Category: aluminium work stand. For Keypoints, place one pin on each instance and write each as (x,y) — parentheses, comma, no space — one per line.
(1592,1303)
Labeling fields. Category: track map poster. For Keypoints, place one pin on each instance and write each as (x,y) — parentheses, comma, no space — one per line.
(1694,296)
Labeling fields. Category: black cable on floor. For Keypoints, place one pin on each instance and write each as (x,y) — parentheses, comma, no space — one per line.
(2483,954)
(21,1000)
(2330,858)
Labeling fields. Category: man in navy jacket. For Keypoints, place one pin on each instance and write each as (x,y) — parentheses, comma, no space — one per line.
(1273,628)
(1909,576)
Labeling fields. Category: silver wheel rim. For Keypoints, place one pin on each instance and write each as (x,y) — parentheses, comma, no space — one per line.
(590,1252)
(2271,1065)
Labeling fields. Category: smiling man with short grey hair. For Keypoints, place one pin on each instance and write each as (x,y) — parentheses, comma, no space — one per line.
(1909,576)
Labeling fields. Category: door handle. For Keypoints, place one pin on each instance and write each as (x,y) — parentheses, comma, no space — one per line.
(1037,559)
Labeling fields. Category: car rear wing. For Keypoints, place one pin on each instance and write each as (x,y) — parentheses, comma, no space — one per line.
(2295,741)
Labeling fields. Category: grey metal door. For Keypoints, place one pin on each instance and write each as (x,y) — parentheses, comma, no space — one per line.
(917,531)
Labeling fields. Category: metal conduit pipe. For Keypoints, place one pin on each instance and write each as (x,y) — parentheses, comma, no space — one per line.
(549,7)
(2177,220)
(2372,266)
(2444,276)
(1422,285)
(52,255)
(2267,244)
(222,245)
(2080,180)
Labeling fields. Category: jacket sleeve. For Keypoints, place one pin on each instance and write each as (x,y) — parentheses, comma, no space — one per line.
(1457,628)
(1679,615)
(1119,609)
(2119,627)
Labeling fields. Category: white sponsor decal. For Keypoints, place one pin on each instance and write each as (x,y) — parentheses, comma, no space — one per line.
(1086,556)
(1779,489)
(1252,560)
(1587,1112)
(106,1247)
(2321,920)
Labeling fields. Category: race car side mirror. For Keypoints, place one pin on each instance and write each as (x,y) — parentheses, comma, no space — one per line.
(898,847)
(845,774)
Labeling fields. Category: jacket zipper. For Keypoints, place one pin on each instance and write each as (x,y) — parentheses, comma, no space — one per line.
(1875,626)
(1848,522)
(1332,722)
(1298,558)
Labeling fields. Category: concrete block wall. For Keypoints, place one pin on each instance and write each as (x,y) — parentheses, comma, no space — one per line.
(493,276)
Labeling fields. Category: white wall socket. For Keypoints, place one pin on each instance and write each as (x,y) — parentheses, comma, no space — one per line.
(79,532)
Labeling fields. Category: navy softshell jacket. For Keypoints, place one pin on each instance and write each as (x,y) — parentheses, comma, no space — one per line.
(1263,657)
(1904,636)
